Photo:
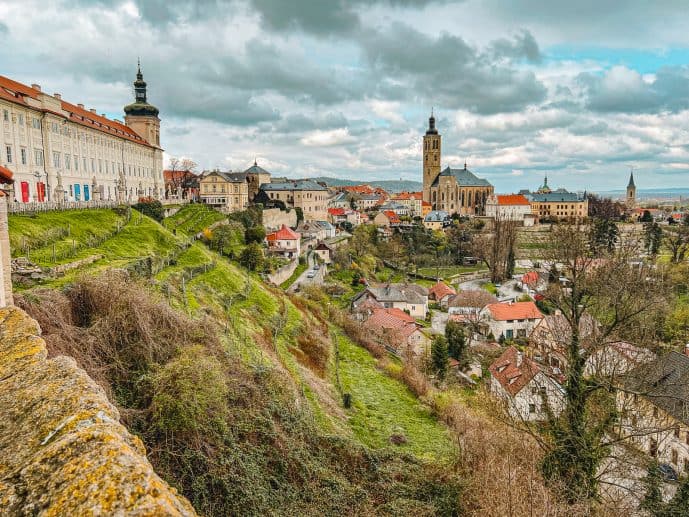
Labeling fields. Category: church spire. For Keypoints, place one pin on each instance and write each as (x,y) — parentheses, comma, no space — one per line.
(431,125)
(631,179)
(140,106)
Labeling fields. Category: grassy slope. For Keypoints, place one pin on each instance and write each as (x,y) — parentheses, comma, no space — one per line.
(140,237)
(382,405)
(192,219)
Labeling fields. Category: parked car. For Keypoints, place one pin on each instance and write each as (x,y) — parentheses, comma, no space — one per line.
(667,472)
(310,274)
(317,267)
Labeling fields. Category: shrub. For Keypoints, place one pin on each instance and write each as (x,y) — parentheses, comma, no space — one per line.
(189,393)
(150,207)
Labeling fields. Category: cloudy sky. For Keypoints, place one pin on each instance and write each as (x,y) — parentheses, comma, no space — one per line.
(582,91)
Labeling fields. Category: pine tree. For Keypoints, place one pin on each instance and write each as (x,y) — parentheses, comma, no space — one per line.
(439,357)
(456,340)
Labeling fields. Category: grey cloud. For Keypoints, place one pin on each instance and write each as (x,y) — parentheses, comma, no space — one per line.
(325,17)
(449,72)
(624,90)
(522,46)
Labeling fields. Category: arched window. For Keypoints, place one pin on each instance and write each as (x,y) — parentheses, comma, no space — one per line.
(434,196)
(463,200)
(469,199)
(442,196)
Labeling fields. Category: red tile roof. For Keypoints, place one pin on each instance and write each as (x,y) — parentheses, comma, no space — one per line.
(512,199)
(439,291)
(425,203)
(336,211)
(6,175)
(514,311)
(283,234)
(530,278)
(17,93)
(402,196)
(513,370)
(393,319)
(392,216)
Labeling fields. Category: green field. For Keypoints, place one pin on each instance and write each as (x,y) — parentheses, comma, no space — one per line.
(445,272)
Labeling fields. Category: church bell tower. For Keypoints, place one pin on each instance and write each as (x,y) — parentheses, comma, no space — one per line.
(141,116)
(431,157)
(631,191)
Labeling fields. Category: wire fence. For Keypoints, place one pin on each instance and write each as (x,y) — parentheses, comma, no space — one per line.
(48,206)
(52,246)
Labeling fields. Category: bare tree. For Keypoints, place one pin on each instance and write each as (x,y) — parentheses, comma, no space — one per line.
(677,241)
(496,248)
(600,303)
(180,179)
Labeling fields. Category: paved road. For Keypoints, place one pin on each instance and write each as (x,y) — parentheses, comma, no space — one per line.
(506,290)
(304,279)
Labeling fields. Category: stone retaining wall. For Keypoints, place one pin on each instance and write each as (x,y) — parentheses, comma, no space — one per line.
(62,448)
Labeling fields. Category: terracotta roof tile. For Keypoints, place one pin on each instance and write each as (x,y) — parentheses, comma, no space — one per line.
(512,199)
(513,370)
(283,234)
(514,311)
(17,92)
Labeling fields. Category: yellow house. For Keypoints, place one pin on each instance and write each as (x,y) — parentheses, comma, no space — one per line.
(226,191)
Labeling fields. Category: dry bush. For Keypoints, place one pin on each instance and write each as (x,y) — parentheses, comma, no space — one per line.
(112,326)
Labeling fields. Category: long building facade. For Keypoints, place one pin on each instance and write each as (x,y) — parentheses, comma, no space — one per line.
(455,191)
(58,151)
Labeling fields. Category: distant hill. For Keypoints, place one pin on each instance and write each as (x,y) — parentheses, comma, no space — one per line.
(389,185)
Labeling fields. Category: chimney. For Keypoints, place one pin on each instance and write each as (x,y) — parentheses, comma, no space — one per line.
(92,110)
(81,106)
(686,349)
(519,359)
(57,96)
(36,87)
(103,115)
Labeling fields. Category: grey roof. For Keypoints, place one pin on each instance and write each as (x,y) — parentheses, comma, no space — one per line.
(410,293)
(256,169)
(558,195)
(664,383)
(392,205)
(370,197)
(436,216)
(233,177)
(464,177)
(293,185)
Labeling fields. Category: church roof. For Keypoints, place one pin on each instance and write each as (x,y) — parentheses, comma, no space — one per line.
(559,195)
(256,169)
(631,181)
(464,177)
(293,185)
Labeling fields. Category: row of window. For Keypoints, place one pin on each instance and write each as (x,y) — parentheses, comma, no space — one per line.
(73,162)
(65,130)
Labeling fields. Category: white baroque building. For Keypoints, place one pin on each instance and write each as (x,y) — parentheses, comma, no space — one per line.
(58,151)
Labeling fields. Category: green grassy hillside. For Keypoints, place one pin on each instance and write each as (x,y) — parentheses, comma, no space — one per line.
(230,383)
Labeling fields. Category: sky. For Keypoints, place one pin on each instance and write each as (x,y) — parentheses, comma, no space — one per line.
(581,91)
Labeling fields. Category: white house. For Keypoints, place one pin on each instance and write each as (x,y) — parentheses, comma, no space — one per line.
(410,298)
(285,242)
(511,320)
(654,409)
(528,393)
(512,207)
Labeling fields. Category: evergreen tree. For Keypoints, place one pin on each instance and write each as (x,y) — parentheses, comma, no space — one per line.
(646,217)
(456,340)
(254,234)
(603,235)
(252,257)
(653,236)
(653,498)
(439,357)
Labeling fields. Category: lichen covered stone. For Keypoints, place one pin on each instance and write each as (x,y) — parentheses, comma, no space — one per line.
(62,448)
